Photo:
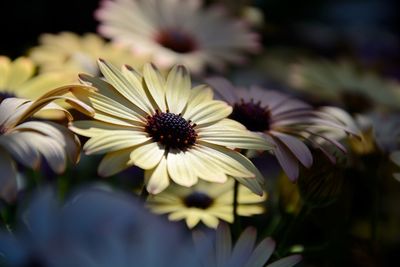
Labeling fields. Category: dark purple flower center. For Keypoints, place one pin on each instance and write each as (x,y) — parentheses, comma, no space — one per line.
(176,40)
(198,200)
(252,115)
(4,95)
(171,130)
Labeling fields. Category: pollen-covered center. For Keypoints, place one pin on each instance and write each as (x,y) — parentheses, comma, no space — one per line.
(176,40)
(171,130)
(4,95)
(252,115)
(198,200)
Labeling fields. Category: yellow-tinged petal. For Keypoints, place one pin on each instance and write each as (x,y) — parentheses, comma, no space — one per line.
(179,170)
(156,85)
(228,164)
(93,128)
(157,179)
(147,156)
(114,162)
(192,219)
(113,141)
(209,220)
(21,70)
(129,90)
(206,170)
(111,107)
(207,112)
(177,89)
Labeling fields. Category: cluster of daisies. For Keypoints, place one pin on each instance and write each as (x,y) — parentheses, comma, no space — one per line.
(133,101)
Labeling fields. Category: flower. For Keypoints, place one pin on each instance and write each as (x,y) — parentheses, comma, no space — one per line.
(219,251)
(177,32)
(205,202)
(27,141)
(70,54)
(113,230)
(284,121)
(166,128)
(17,79)
(341,82)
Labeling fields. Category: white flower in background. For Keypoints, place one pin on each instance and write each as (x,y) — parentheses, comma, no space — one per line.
(177,32)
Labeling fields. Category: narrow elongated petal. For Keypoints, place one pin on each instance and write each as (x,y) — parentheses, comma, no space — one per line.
(177,89)
(156,84)
(298,148)
(262,253)
(113,141)
(286,160)
(21,147)
(208,112)
(286,262)
(157,179)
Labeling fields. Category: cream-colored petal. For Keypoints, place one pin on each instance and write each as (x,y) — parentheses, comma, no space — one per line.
(179,170)
(21,70)
(8,177)
(156,85)
(177,89)
(93,128)
(192,219)
(209,220)
(235,139)
(130,91)
(114,162)
(113,141)
(208,112)
(136,80)
(147,155)
(205,169)
(157,179)
(111,107)
(223,158)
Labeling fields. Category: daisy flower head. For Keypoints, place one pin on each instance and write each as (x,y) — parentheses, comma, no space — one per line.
(177,32)
(283,121)
(206,202)
(166,127)
(17,79)
(344,84)
(219,250)
(70,53)
(27,141)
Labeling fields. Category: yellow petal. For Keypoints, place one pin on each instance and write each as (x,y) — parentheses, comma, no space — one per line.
(147,155)
(157,179)
(156,85)
(114,162)
(177,89)
(113,141)
(179,169)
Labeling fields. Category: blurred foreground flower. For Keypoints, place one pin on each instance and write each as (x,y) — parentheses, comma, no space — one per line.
(27,141)
(343,83)
(17,80)
(220,252)
(177,32)
(71,54)
(283,121)
(112,230)
(166,128)
(206,202)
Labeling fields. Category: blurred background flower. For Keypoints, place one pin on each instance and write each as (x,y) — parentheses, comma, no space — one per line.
(178,32)
(206,202)
(70,54)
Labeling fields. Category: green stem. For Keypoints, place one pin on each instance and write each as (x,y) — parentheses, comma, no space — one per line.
(144,194)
